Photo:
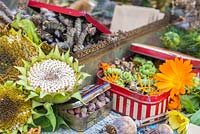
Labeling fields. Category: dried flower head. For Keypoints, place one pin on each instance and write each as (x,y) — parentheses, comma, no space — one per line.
(174,76)
(13,48)
(15,110)
(53,78)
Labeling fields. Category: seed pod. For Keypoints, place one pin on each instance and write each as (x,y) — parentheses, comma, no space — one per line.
(71,111)
(100,104)
(107,100)
(84,112)
(122,125)
(77,110)
(101,97)
(77,115)
(165,129)
(91,107)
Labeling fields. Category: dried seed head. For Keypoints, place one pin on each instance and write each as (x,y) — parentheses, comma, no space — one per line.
(15,111)
(52,76)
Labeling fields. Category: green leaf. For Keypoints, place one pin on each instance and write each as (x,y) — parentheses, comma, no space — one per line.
(21,69)
(195,119)
(36,104)
(61,123)
(41,53)
(56,53)
(32,95)
(23,78)
(22,83)
(9,83)
(26,64)
(50,115)
(30,122)
(23,128)
(78,96)
(186,103)
(27,26)
(80,68)
(43,94)
(44,123)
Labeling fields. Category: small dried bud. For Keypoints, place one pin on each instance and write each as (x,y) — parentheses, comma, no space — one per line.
(100,104)
(91,107)
(77,115)
(101,97)
(83,110)
(84,115)
(71,111)
(107,100)
(77,110)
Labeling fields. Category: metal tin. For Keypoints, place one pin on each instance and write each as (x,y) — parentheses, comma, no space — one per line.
(87,96)
(133,104)
(70,12)
(162,53)
(81,124)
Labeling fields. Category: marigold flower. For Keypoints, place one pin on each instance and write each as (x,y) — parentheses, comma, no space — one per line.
(174,76)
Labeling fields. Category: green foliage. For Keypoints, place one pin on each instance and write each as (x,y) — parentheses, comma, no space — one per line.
(44,115)
(195,119)
(170,40)
(189,41)
(27,26)
(191,102)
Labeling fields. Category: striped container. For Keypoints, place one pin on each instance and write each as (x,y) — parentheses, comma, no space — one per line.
(137,106)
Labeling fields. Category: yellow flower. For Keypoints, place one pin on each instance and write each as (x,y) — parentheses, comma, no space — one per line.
(178,121)
(174,76)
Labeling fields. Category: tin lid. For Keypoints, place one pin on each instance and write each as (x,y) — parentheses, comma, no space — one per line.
(71,12)
(87,96)
(162,53)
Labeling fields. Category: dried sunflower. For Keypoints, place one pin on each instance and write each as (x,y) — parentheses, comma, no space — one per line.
(13,48)
(53,78)
(174,76)
(15,110)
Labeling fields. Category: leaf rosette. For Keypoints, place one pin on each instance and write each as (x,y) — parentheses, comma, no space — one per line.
(53,78)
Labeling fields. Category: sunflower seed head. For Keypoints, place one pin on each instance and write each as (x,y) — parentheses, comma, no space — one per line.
(52,76)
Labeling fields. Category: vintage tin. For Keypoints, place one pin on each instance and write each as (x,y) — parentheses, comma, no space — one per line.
(133,104)
(140,106)
(82,123)
(70,12)
(162,53)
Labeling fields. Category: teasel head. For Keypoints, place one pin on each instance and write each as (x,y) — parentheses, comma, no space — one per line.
(13,48)
(14,108)
(53,78)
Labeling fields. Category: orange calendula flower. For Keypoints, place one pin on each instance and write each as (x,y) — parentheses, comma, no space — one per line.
(112,78)
(105,66)
(174,76)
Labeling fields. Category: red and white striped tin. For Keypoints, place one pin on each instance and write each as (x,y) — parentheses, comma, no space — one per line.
(136,105)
